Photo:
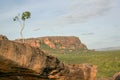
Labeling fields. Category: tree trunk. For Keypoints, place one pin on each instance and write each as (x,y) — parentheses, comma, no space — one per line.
(21,31)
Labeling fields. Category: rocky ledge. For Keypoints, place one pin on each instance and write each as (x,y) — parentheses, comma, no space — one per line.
(23,62)
(56,42)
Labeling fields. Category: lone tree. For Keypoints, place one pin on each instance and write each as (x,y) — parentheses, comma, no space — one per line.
(21,19)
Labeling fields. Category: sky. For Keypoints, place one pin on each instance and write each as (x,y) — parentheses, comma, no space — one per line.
(95,22)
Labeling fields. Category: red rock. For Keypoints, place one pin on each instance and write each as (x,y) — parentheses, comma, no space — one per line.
(58,42)
(116,76)
(49,43)
(50,67)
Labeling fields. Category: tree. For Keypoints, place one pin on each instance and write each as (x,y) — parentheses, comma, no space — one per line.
(21,19)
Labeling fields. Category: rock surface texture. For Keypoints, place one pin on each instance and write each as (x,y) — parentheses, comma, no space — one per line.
(57,42)
(23,62)
(116,76)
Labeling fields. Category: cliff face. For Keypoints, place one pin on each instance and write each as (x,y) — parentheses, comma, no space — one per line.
(23,62)
(57,42)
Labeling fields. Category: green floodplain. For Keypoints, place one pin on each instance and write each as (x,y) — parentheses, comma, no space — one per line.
(108,62)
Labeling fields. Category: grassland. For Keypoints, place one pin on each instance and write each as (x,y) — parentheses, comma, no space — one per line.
(108,62)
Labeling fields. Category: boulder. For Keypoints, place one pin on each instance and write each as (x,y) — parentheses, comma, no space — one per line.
(116,76)
(9,70)
(32,58)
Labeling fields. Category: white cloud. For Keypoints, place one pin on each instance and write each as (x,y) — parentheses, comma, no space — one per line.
(84,10)
(66,12)
(79,11)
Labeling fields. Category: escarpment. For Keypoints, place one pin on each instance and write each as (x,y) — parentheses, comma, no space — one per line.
(56,42)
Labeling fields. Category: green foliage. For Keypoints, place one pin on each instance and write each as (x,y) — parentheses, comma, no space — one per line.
(15,18)
(25,15)
(44,46)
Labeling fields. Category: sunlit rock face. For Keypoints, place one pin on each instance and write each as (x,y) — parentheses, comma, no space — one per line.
(57,42)
(116,76)
(39,65)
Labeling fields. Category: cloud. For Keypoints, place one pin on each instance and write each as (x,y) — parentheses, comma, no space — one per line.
(62,12)
(69,12)
(83,10)
(78,11)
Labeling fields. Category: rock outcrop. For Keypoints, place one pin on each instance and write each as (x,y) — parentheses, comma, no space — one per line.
(9,70)
(3,37)
(116,76)
(59,42)
(39,65)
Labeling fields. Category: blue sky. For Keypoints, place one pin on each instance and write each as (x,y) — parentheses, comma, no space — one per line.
(95,22)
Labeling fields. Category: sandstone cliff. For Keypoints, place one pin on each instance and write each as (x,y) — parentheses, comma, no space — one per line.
(30,63)
(57,42)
